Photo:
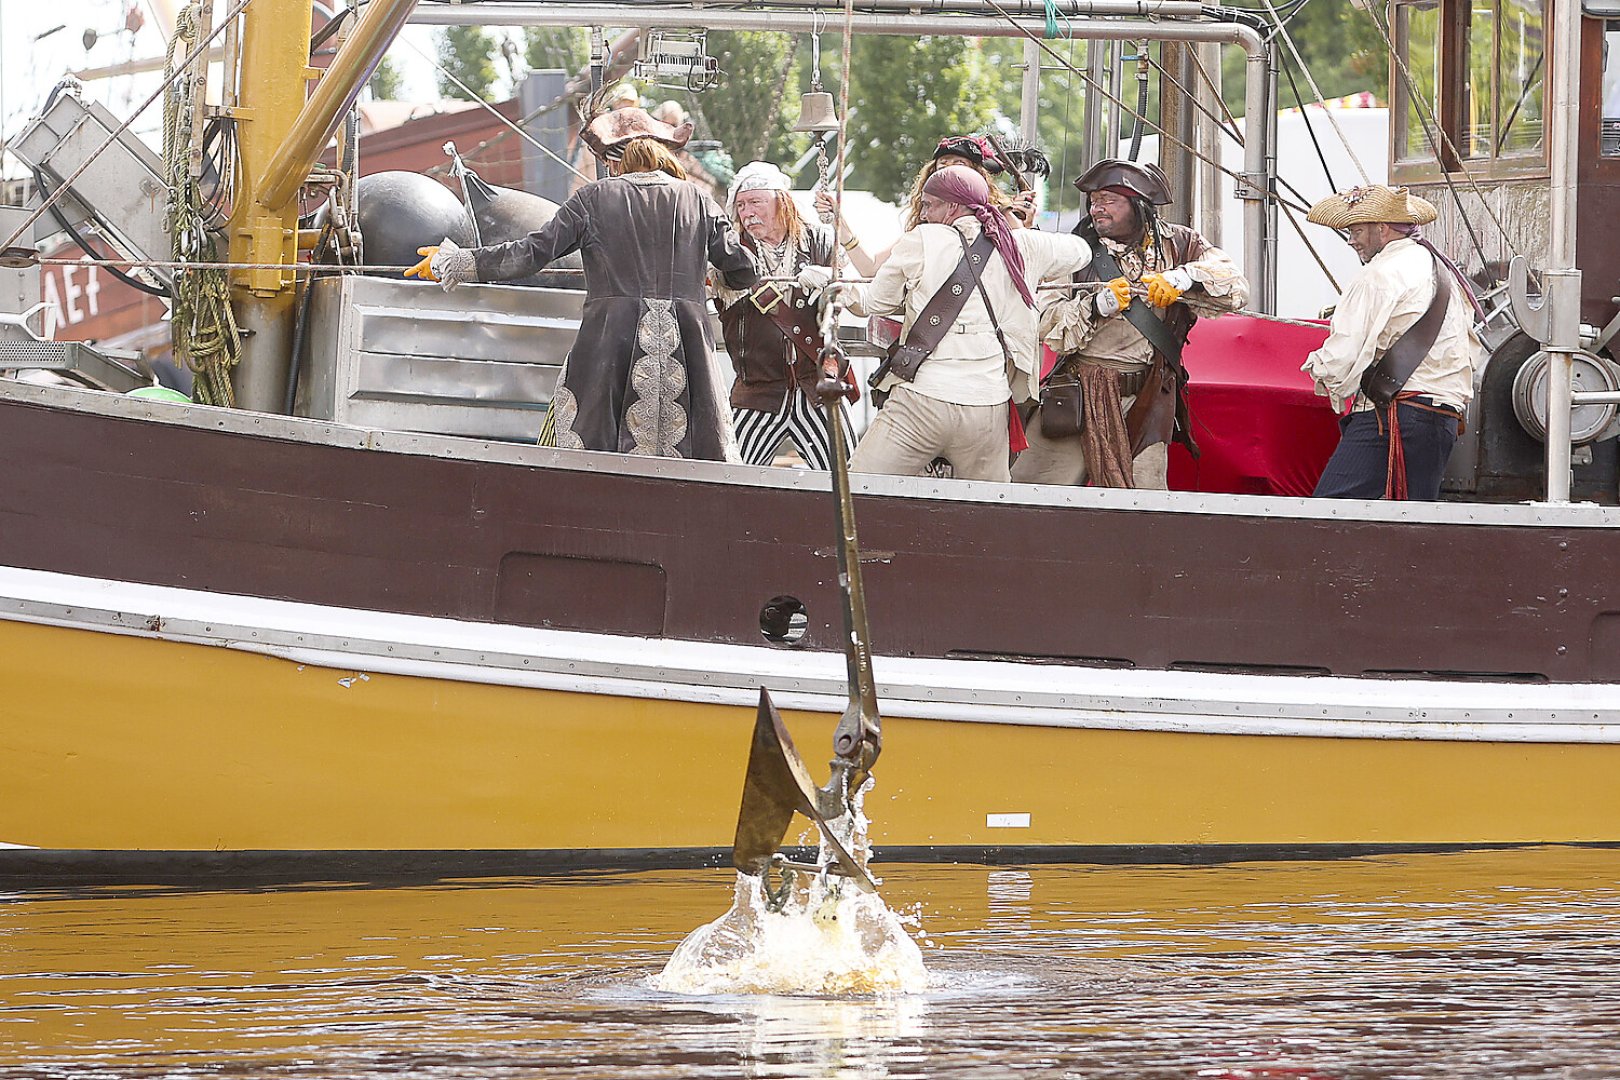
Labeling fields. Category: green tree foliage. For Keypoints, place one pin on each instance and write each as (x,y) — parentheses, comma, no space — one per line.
(1339,43)
(552,47)
(468,53)
(746,110)
(385,82)
(906,95)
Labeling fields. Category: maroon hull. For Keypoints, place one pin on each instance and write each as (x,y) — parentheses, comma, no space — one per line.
(1218,586)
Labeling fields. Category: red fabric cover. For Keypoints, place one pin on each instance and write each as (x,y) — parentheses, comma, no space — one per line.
(1261,427)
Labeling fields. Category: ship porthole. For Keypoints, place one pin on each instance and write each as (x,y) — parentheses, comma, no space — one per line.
(783,620)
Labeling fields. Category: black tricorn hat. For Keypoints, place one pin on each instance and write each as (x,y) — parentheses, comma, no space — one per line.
(975,148)
(608,133)
(1147,180)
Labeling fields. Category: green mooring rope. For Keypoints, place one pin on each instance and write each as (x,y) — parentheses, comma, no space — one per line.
(203,324)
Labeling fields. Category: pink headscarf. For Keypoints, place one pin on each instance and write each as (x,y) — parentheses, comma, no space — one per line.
(966,187)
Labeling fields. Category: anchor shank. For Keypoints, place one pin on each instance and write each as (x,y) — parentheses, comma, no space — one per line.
(859,736)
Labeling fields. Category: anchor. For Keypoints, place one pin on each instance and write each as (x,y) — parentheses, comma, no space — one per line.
(777,784)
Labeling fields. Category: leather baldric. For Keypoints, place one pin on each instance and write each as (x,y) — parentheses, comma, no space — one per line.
(937,316)
(801,327)
(1389,373)
(1147,324)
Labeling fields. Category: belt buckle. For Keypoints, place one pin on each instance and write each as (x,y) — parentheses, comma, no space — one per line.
(758,297)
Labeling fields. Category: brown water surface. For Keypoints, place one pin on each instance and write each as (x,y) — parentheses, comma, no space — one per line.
(1490,965)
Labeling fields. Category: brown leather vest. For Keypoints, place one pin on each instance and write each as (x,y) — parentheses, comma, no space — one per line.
(1159,413)
(764,359)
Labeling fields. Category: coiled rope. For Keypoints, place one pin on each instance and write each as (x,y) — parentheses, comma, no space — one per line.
(203,326)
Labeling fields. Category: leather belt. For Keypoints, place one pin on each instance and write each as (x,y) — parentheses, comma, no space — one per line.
(1130,382)
(1429,403)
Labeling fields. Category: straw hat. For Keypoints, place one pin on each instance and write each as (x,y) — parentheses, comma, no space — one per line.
(1370,204)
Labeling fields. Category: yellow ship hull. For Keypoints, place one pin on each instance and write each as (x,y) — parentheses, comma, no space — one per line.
(115,741)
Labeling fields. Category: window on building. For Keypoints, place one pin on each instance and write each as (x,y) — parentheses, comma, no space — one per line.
(1520,77)
(1471,79)
(1417,36)
(1610,138)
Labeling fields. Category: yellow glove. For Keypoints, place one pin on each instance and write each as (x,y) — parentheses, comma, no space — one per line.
(424,269)
(1166,288)
(1115,298)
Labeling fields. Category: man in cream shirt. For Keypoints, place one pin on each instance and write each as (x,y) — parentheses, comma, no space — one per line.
(958,405)
(1397,451)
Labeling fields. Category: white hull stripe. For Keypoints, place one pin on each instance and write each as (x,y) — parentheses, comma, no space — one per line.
(353,642)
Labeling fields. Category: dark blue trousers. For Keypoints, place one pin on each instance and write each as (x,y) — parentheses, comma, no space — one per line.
(1358,469)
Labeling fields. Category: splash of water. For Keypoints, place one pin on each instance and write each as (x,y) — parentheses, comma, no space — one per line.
(829,939)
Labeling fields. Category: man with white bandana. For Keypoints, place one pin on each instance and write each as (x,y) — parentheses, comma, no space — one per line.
(771,331)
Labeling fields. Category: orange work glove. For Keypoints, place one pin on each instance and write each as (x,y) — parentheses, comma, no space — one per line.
(1115,298)
(424,269)
(1166,288)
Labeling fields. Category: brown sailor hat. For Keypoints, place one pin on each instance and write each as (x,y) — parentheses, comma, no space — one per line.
(1372,203)
(1146,180)
(608,133)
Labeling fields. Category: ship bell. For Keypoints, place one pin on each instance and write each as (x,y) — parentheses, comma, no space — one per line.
(816,113)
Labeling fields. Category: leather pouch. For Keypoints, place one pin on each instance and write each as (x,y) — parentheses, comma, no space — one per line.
(906,359)
(1063,413)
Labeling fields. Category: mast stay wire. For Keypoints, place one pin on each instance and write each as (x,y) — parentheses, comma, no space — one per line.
(1234,134)
(1288,207)
(1164,135)
(1288,39)
(487,107)
(1310,128)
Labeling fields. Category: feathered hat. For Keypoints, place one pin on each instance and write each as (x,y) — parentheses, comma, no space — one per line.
(1372,203)
(608,133)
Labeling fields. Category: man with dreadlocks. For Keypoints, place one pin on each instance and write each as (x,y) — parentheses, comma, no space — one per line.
(1116,395)
(1402,345)
(965,282)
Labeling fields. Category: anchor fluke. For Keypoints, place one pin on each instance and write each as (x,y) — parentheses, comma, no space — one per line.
(776,786)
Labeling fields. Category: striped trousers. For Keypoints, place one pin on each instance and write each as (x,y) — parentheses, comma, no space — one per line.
(760,434)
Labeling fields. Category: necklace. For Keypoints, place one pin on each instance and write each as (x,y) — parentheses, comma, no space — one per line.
(774,258)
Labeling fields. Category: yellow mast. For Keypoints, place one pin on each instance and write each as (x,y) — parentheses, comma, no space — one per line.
(281,138)
(274,71)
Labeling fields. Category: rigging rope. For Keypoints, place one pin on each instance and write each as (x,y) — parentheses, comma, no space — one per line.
(496,113)
(203,325)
